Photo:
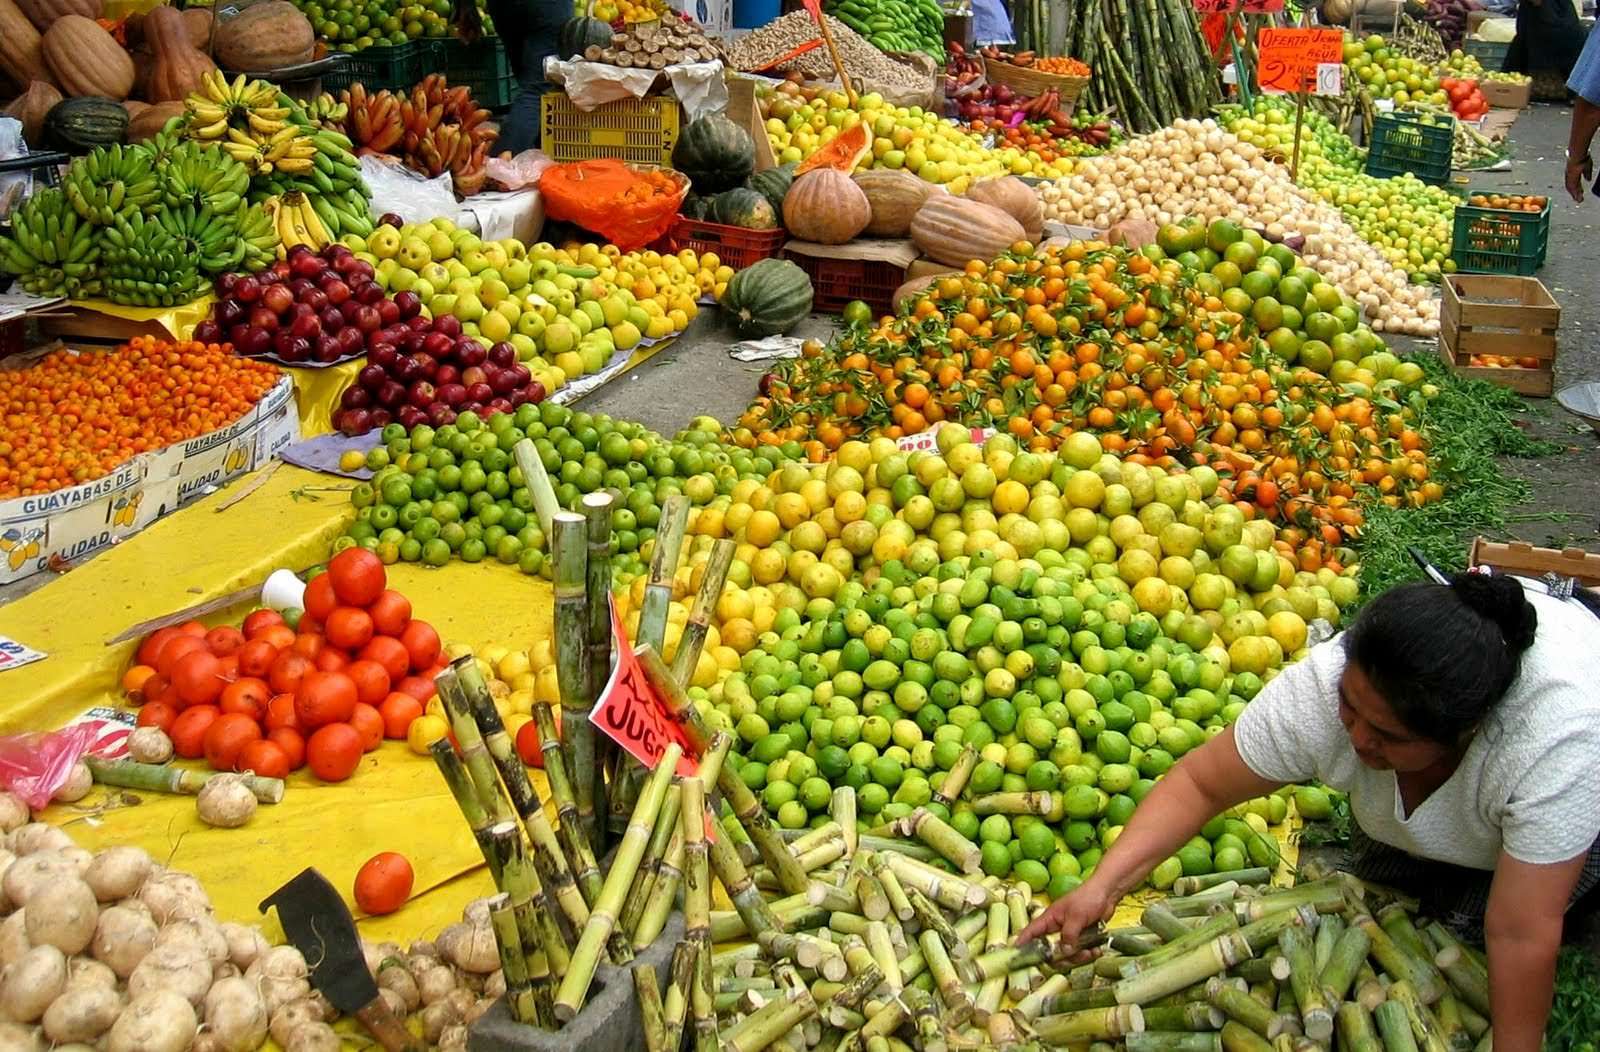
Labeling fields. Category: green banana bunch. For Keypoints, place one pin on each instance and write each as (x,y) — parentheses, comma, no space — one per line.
(209,238)
(111,180)
(163,144)
(199,176)
(52,249)
(144,264)
(259,237)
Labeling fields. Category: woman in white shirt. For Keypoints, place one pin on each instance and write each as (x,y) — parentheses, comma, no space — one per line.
(1464,722)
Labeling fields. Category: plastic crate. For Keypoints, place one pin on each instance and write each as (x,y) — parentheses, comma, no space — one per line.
(1499,240)
(638,131)
(1403,143)
(482,66)
(836,282)
(1490,53)
(734,245)
(385,67)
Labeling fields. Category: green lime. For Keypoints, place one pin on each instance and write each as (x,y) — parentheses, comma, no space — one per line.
(1031,873)
(996,859)
(1038,842)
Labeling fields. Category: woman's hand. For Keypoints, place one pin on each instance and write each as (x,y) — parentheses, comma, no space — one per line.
(1082,908)
(1577,172)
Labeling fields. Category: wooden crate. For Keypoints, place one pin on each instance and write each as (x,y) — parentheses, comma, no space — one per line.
(1524,560)
(1498,314)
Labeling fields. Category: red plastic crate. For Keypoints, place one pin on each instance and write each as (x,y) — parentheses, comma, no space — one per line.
(734,245)
(836,282)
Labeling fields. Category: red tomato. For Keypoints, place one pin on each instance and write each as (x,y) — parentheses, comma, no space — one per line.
(287,671)
(293,744)
(528,745)
(227,736)
(256,657)
(280,713)
(199,678)
(158,714)
(224,640)
(188,731)
(348,627)
(320,600)
(421,642)
(390,612)
(248,697)
(265,758)
(332,659)
(258,621)
(174,648)
(371,679)
(309,644)
(419,687)
(391,654)
(193,628)
(324,698)
(358,576)
(369,724)
(280,636)
(398,710)
(334,751)
(150,649)
(383,883)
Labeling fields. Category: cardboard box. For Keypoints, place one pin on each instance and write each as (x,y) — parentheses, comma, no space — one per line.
(1524,560)
(1497,314)
(744,111)
(68,524)
(1505,96)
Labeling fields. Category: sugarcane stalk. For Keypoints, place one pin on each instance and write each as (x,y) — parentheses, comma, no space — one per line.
(690,645)
(662,898)
(1394,1026)
(701,1004)
(943,838)
(675,1004)
(1370,991)
(815,838)
(993,989)
(1263,934)
(668,550)
(1204,903)
(1165,924)
(1394,919)
(460,785)
(1203,933)
(944,888)
(696,867)
(1346,958)
(1271,969)
(1241,1007)
(1236,1037)
(652,1013)
(534,475)
(542,941)
(1426,981)
(882,954)
(1468,981)
(1191,1016)
(955,779)
(1019,983)
(1321,897)
(874,900)
(575,984)
(1329,928)
(1042,999)
(1172,1041)
(166,778)
(1090,1024)
(596,511)
(1476,1024)
(831,897)
(1192,967)
(1315,1016)
(1192,885)
(569,543)
(1424,1026)
(1040,803)
(1447,1010)
(958,1006)
(899,903)
(1133,944)
(933,920)
(752,909)
(513,962)
(753,817)
(761,1028)
(569,832)
(666,830)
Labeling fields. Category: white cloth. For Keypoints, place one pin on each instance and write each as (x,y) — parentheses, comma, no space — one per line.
(1529,782)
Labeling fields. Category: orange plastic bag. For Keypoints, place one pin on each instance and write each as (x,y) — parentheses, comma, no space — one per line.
(630,207)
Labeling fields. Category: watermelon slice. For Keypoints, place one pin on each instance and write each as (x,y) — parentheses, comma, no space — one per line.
(847,150)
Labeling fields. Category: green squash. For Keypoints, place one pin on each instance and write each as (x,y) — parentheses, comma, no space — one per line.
(745,208)
(79,125)
(768,297)
(715,153)
(773,184)
(579,33)
(696,207)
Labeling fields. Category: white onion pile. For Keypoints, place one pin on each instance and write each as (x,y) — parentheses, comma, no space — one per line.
(1195,168)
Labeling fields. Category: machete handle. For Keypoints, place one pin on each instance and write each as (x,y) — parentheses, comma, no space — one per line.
(390,1032)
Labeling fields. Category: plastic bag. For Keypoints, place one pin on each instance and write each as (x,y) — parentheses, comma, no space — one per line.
(630,207)
(409,194)
(34,766)
(14,186)
(522,170)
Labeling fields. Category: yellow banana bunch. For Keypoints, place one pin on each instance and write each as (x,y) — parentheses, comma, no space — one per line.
(297,223)
(220,107)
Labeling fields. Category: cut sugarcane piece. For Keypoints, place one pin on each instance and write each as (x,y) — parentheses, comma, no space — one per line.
(542,941)
(996,934)
(1019,983)
(1041,803)
(714,574)
(652,1012)
(537,479)
(1191,1015)
(955,780)
(514,963)
(570,546)
(1426,981)
(460,785)
(1346,959)
(1165,924)
(933,920)
(748,903)
(884,956)
(1236,1037)
(664,558)
(942,887)
(1315,1016)
(899,901)
(1329,928)
(842,810)
(1263,934)
(1469,981)
(1192,885)
(596,511)
(1195,966)
(1172,1041)
(569,829)
(1219,924)
(675,1003)
(701,1004)
(957,1005)
(661,837)
(1044,998)
(874,900)
(166,778)
(761,1028)
(1394,1027)
(1424,1027)
(943,838)
(1241,1007)
(662,898)
(1323,897)
(1090,1024)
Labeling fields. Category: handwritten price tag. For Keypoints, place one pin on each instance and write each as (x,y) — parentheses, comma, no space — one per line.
(1330,79)
(1290,59)
(631,713)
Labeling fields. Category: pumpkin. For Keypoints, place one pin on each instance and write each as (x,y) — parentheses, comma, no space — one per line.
(78,125)
(265,36)
(134,108)
(894,195)
(743,207)
(198,21)
(826,208)
(178,67)
(715,153)
(848,149)
(84,59)
(954,230)
(767,297)
(1015,198)
(43,13)
(30,109)
(580,33)
(21,52)
(773,184)
(148,122)
(696,207)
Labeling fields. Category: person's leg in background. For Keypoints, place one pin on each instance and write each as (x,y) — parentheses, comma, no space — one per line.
(530,30)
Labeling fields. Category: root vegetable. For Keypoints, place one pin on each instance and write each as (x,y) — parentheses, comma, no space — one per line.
(479,1009)
(171,895)
(86,971)
(422,948)
(28,986)
(83,1012)
(155,1021)
(79,857)
(324,1006)
(392,975)
(394,1002)
(39,836)
(476,912)
(462,1000)
(62,915)
(236,1015)
(313,1037)
(14,813)
(118,872)
(123,938)
(226,802)
(245,944)
(14,1037)
(203,935)
(291,1017)
(32,872)
(76,787)
(14,939)
(149,745)
(436,1018)
(454,1039)
(495,985)
(470,947)
(435,984)
(420,963)
(178,968)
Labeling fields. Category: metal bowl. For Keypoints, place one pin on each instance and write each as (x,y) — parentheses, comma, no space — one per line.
(1582,400)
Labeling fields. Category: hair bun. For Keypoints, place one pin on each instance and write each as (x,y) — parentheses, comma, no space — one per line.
(1500,599)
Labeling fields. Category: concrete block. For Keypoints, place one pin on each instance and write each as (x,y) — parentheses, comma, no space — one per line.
(608,1022)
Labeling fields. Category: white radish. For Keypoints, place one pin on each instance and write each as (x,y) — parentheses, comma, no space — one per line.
(291,1017)
(88,971)
(32,872)
(14,1037)
(236,1015)
(204,935)
(39,836)
(313,1037)
(245,943)
(435,984)
(171,895)
(62,915)
(226,802)
(149,745)
(118,872)
(83,1012)
(122,939)
(77,786)
(470,947)
(28,986)
(280,974)
(14,939)
(156,1021)
(14,814)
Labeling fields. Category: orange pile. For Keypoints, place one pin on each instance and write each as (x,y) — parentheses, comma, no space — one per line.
(73,417)
(1069,67)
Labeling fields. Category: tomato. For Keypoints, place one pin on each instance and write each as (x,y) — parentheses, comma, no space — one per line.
(174,648)
(293,744)
(280,712)
(248,696)
(224,640)
(256,657)
(357,575)
(157,714)
(227,736)
(391,612)
(265,758)
(332,659)
(369,724)
(228,667)
(287,670)
(323,698)
(133,682)
(150,649)
(280,636)
(383,883)
(159,688)
(371,679)
(391,654)
(421,642)
(334,751)
(258,621)
(193,628)
(309,644)
(320,600)
(398,710)
(528,745)
(188,731)
(198,675)
(349,627)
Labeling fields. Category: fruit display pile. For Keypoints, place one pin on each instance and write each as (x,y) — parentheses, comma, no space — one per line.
(71,418)
(1387,74)
(347,26)
(1044,130)
(1461,64)
(434,129)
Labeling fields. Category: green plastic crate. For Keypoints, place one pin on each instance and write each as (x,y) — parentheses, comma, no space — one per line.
(482,66)
(1491,53)
(392,67)
(637,131)
(1403,143)
(1499,240)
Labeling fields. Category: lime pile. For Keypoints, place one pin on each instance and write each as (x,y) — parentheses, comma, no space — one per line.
(1387,74)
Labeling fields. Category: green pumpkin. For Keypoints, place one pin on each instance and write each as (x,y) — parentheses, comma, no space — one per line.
(79,125)
(770,296)
(773,184)
(743,207)
(696,207)
(715,153)
(579,33)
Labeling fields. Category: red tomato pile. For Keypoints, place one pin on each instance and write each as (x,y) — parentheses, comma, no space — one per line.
(1466,98)
(272,699)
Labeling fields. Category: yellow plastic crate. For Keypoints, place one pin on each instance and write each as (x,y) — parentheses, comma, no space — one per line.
(637,131)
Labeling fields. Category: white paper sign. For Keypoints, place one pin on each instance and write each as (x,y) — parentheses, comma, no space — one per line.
(1330,78)
(15,655)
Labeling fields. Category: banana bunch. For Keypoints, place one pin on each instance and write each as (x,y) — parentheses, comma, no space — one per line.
(374,120)
(327,111)
(161,146)
(110,180)
(289,150)
(198,175)
(52,249)
(298,223)
(334,186)
(145,265)
(210,238)
(244,106)
(258,232)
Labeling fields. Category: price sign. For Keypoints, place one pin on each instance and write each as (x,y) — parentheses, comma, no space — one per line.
(15,655)
(1330,79)
(1290,58)
(631,713)
(1216,7)
(928,441)
(1262,7)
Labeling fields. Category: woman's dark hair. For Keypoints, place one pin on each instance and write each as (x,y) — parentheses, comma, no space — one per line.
(1442,656)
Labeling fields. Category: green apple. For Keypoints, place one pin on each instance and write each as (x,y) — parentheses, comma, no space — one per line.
(510,308)
(457,269)
(516,273)
(425,292)
(566,303)
(613,309)
(493,290)
(474,260)
(531,325)
(526,350)
(513,248)
(545,288)
(443,303)
(468,307)
(414,253)
(470,328)
(461,286)
(368,258)
(441,224)
(384,242)
(582,322)
(440,246)
(566,282)
(545,269)
(435,275)
(384,271)
(494,253)
(401,279)
(559,338)
(597,315)
(494,326)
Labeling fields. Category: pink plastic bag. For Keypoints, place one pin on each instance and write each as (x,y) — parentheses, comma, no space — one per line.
(34,766)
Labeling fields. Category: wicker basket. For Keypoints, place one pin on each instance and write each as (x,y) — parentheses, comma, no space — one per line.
(1032,82)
